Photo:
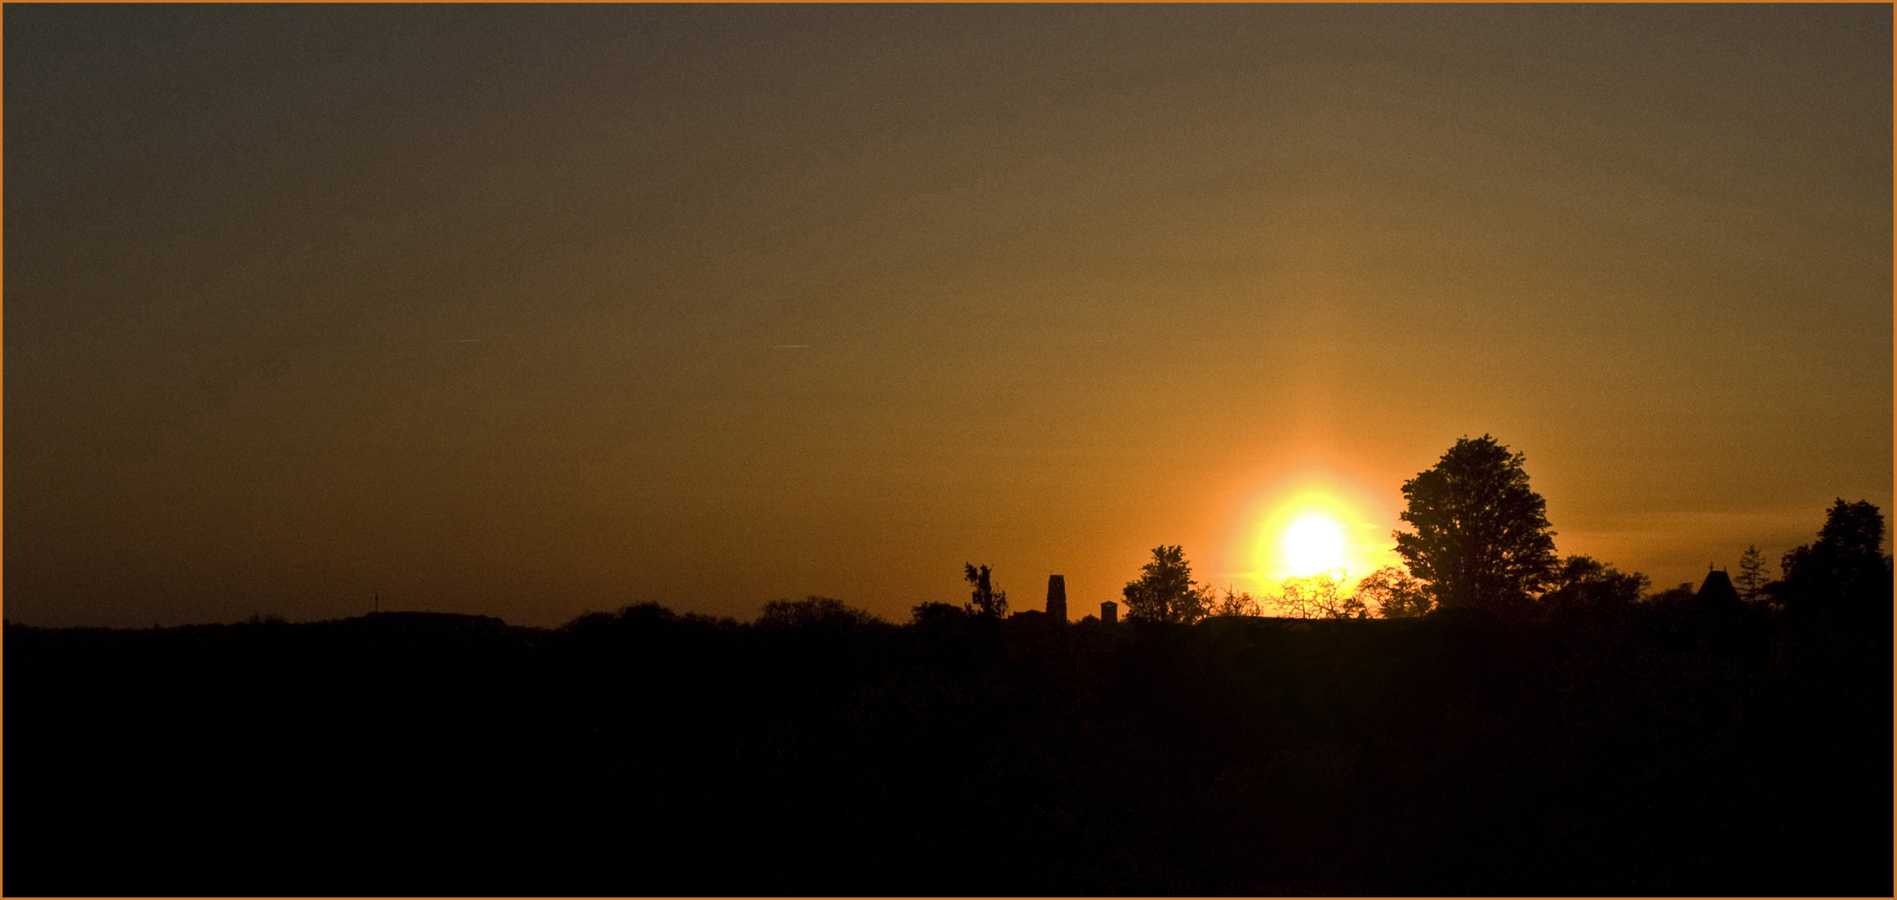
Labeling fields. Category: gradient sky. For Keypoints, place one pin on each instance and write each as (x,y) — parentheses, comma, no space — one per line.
(525,311)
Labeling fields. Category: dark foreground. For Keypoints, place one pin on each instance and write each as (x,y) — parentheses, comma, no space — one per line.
(1671,750)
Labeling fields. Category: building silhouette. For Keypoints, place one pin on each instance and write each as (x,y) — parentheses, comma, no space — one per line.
(1717,589)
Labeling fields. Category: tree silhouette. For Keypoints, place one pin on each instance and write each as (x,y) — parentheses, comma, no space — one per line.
(1583,583)
(935,614)
(1751,580)
(1845,569)
(1235,604)
(1671,596)
(984,600)
(1482,537)
(1320,596)
(1165,591)
(1394,594)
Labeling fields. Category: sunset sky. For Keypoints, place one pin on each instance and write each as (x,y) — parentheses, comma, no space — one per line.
(531,310)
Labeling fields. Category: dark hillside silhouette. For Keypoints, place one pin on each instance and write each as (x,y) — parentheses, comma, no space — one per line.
(1612,748)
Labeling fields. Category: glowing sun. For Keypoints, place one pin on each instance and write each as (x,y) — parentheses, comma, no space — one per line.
(1303,525)
(1313,544)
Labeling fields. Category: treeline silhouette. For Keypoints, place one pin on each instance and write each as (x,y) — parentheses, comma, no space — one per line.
(1693,745)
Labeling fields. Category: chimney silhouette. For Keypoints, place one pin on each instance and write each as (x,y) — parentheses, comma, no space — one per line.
(1057,597)
(1109,612)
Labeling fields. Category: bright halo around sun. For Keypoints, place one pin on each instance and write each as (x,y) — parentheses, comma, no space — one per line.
(1313,544)
(1306,525)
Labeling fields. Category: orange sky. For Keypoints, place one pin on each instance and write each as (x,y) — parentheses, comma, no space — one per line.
(532,310)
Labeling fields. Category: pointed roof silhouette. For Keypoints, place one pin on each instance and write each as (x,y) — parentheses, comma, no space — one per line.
(1717,588)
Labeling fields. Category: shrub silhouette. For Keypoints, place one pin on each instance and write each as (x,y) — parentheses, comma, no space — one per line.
(813,612)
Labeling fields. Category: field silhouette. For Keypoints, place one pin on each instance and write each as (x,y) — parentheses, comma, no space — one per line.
(1683,745)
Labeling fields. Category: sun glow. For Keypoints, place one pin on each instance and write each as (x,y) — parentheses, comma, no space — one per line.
(1309,524)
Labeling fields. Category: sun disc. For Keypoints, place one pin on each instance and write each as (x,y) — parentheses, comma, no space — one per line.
(1313,544)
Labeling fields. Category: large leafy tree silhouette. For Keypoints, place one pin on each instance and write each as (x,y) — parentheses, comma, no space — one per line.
(1481,537)
(1845,570)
